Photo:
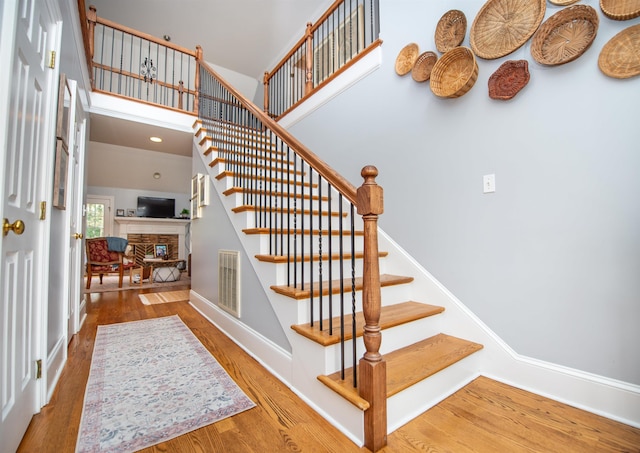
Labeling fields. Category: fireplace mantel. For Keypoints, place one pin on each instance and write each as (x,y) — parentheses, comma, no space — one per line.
(148,225)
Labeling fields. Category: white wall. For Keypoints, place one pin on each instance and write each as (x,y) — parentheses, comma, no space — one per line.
(133,168)
(551,260)
(213,232)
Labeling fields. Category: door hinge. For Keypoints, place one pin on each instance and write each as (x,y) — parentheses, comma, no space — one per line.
(52,59)
(43,210)
(39,369)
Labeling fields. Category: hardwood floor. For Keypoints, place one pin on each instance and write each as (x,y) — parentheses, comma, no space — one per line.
(485,416)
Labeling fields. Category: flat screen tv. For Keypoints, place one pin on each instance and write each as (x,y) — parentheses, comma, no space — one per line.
(161,208)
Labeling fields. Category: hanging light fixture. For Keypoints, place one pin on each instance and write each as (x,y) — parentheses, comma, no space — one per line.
(148,70)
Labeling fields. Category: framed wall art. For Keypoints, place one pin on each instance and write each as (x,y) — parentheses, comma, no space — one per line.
(203,190)
(64,111)
(60,175)
(160,250)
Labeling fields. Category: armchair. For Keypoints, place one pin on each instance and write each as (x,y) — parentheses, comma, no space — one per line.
(101,260)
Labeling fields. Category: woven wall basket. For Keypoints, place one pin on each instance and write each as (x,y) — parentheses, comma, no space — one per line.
(406,58)
(565,36)
(562,2)
(502,26)
(455,73)
(421,71)
(620,9)
(620,57)
(451,30)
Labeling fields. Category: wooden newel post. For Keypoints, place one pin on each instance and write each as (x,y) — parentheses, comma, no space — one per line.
(308,86)
(266,92)
(372,367)
(92,17)
(180,94)
(196,101)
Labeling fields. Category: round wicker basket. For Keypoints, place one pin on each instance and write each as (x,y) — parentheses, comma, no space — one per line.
(455,73)
(562,2)
(565,36)
(502,26)
(407,58)
(424,64)
(620,9)
(620,57)
(450,31)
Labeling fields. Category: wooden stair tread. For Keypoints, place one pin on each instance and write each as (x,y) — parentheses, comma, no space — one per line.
(265,230)
(260,178)
(269,193)
(409,365)
(298,293)
(247,208)
(390,316)
(282,259)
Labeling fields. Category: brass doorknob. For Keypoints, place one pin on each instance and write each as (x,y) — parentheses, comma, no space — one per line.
(17,227)
(78,236)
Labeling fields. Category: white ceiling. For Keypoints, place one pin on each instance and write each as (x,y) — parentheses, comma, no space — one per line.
(116,131)
(245,36)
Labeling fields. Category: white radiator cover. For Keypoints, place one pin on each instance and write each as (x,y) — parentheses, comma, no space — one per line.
(229,281)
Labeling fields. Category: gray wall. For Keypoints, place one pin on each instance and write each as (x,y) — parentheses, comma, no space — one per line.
(551,260)
(211,233)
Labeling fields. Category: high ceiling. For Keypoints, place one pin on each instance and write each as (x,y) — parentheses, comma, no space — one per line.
(246,36)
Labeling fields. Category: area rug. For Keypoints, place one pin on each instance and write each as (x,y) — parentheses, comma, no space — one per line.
(151,381)
(110,283)
(165,296)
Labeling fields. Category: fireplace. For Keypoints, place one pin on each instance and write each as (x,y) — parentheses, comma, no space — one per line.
(143,230)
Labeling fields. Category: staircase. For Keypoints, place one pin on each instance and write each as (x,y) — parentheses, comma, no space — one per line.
(423,364)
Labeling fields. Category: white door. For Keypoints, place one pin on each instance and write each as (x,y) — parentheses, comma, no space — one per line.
(75,214)
(26,148)
(99,216)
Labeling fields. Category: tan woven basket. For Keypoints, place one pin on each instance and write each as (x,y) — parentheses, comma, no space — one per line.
(620,57)
(407,58)
(451,30)
(424,64)
(455,73)
(502,26)
(620,9)
(562,2)
(565,36)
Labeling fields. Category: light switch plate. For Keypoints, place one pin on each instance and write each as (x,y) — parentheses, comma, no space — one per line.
(488,183)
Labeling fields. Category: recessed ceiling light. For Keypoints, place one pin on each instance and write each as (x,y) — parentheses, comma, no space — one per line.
(155,139)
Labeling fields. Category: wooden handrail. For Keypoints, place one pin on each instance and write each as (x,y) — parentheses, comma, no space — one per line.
(308,31)
(139,77)
(375,44)
(84,28)
(139,34)
(343,186)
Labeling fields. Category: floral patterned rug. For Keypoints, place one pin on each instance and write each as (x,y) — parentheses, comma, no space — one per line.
(151,381)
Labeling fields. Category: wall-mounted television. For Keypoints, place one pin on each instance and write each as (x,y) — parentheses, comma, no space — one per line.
(162,208)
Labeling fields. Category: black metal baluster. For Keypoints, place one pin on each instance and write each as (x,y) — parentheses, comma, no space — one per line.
(353,297)
(341,255)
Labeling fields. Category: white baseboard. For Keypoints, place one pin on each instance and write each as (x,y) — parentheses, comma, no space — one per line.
(610,398)
(271,356)
(54,365)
